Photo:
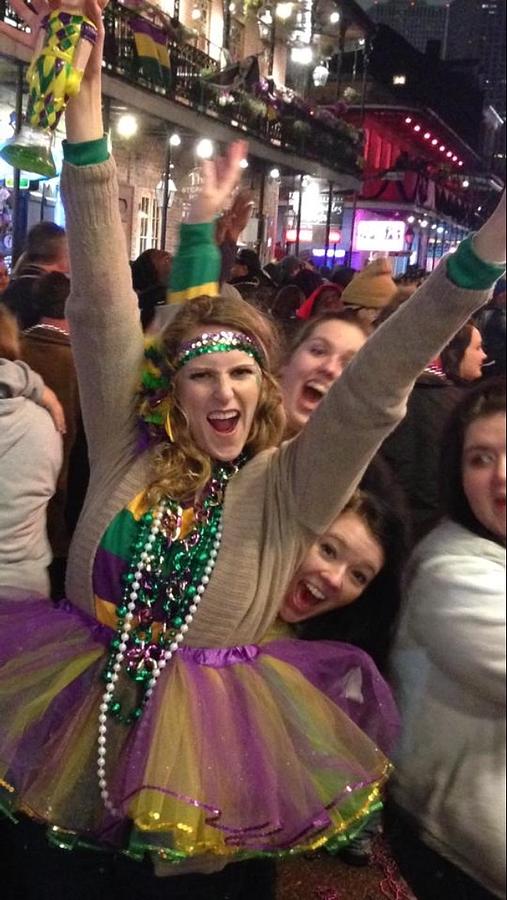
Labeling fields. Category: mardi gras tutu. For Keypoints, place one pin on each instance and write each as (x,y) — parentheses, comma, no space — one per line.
(241,752)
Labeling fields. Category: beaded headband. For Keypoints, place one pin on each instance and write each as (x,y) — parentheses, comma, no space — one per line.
(218,342)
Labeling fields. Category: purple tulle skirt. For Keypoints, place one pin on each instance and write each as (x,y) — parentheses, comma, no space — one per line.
(261,749)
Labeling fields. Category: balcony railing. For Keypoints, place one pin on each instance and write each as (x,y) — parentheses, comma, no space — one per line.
(295,126)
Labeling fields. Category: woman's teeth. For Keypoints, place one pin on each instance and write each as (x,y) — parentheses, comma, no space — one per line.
(223,422)
(316,594)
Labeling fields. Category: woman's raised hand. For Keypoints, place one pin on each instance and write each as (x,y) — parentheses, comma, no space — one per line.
(83,116)
(220,177)
(31,16)
(489,242)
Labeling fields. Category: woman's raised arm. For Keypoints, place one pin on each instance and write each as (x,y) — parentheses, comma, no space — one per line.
(107,339)
(322,466)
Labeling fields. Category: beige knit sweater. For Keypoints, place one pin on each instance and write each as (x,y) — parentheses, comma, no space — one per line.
(277,504)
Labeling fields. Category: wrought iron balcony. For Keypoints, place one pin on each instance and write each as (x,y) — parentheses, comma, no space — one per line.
(292,125)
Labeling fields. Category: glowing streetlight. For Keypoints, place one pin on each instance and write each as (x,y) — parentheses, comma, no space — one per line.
(204,149)
(127,126)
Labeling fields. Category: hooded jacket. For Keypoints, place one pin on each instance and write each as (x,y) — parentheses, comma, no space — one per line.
(30,460)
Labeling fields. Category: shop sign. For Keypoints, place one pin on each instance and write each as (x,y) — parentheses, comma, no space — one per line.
(380,235)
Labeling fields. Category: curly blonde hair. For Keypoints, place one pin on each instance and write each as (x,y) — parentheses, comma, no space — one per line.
(181,468)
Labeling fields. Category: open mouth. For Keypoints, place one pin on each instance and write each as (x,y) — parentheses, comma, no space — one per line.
(224,422)
(306,597)
(313,393)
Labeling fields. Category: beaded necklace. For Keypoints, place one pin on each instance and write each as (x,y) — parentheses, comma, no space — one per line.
(164,585)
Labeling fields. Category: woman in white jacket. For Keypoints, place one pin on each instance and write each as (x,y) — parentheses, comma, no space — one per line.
(449,667)
(31,425)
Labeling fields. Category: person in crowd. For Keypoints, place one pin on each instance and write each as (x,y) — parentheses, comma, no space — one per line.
(247,269)
(463,358)
(342,276)
(318,354)
(31,427)
(188,543)
(150,276)
(284,306)
(370,291)
(4,276)
(248,277)
(46,251)
(286,270)
(46,347)
(449,665)
(348,589)
(413,449)
(354,571)
(307,280)
(492,324)
(326,298)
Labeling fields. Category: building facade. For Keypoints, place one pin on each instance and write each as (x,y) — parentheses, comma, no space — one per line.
(477,32)
(417,20)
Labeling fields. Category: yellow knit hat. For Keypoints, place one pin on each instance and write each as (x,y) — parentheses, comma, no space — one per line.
(372,288)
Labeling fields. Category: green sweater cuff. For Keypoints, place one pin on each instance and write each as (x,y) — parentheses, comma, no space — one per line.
(196,266)
(467,270)
(87,153)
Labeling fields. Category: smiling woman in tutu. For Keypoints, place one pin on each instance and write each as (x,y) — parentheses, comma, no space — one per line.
(146,713)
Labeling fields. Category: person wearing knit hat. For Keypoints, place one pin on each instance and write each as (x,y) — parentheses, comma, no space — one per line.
(371,290)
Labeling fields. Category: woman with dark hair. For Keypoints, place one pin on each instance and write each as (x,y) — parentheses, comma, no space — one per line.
(449,665)
(150,275)
(463,358)
(368,619)
(283,308)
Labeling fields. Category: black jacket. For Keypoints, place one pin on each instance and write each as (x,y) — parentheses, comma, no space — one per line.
(413,449)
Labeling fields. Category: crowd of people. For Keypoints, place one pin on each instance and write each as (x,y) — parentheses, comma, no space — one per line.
(252,566)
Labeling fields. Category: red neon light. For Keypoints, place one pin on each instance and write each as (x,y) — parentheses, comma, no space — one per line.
(335,237)
(305,235)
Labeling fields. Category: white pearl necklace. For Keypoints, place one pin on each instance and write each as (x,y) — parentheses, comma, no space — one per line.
(145,560)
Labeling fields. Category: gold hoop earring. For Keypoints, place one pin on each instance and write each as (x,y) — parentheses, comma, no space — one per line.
(168,427)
